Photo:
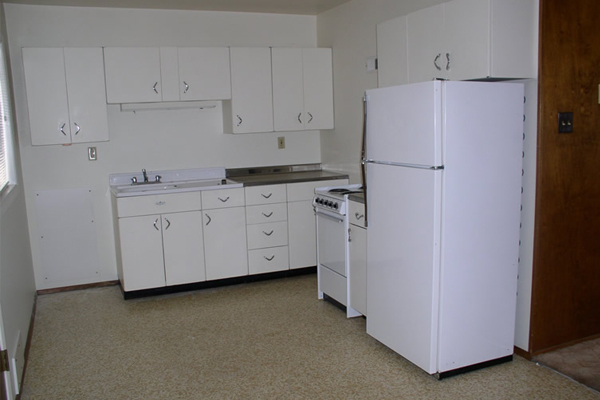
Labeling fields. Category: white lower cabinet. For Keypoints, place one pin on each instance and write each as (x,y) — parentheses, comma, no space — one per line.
(224,222)
(302,230)
(357,244)
(161,250)
(267,228)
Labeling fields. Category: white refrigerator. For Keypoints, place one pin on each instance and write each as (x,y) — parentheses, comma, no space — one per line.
(443,188)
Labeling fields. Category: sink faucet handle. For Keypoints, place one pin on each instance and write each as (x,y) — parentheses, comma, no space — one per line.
(157,178)
(134,180)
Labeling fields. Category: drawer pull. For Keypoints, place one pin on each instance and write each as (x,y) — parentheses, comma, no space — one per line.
(161,203)
(359,216)
(224,200)
(269,258)
(268,215)
(156,227)
(269,233)
(267,196)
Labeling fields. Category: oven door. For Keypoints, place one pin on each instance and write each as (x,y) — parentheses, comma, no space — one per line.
(331,240)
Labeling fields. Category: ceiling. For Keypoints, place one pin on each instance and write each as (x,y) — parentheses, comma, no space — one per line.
(303,7)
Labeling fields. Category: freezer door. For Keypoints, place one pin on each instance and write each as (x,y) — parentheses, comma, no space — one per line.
(404,124)
(403,260)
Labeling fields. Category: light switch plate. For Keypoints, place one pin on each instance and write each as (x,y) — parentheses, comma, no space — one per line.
(281,142)
(92,155)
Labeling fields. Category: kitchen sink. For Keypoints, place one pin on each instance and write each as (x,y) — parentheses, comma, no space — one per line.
(139,189)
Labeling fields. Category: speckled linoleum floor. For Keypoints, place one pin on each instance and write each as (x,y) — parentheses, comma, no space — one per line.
(265,340)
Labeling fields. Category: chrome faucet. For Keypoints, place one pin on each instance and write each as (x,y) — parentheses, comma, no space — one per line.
(145,176)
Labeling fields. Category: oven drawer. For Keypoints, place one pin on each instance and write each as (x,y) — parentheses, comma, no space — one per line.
(356,213)
(267,235)
(265,194)
(266,213)
(271,259)
(333,285)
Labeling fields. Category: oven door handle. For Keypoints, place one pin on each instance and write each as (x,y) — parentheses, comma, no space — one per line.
(331,217)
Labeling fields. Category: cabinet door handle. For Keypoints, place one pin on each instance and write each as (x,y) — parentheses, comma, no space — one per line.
(268,215)
(269,233)
(168,224)
(447,61)
(435,62)
(269,258)
(156,227)
(154,87)
(209,219)
(240,120)
(266,196)
(224,200)
(358,216)
(186,87)
(62,129)
(310,119)
(78,128)
(299,115)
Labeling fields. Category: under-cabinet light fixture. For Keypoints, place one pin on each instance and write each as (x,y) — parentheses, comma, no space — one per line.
(171,105)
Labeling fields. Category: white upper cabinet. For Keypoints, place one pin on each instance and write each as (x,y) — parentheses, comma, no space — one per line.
(132,74)
(251,106)
(460,40)
(302,89)
(65,95)
(153,74)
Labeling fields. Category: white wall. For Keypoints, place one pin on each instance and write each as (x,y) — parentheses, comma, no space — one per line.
(351,30)
(152,140)
(17,285)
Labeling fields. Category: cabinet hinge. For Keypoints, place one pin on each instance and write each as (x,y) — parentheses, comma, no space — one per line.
(4,364)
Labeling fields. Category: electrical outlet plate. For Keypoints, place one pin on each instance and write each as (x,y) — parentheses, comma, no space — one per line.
(281,142)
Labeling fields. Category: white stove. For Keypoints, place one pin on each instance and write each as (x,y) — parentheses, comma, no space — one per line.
(331,205)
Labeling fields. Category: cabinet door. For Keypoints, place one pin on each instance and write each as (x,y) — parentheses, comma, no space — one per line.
(46,89)
(302,234)
(251,108)
(318,88)
(288,89)
(204,73)
(225,243)
(392,60)
(84,70)
(141,252)
(183,248)
(467,35)
(132,74)
(426,54)
(358,268)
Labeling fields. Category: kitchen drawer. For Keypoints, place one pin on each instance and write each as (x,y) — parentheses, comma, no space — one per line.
(265,194)
(266,213)
(158,204)
(306,190)
(356,212)
(267,235)
(222,198)
(271,259)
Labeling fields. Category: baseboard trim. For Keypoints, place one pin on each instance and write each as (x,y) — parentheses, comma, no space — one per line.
(28,346)
(563,345)
(77,287)
(523,353)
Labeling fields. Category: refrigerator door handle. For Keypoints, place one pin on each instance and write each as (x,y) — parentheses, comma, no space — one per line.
(363,158)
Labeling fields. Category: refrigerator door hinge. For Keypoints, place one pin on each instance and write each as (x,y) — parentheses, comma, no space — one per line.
(4,364)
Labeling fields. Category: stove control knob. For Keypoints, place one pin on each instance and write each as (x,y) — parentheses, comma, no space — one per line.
(335,206)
